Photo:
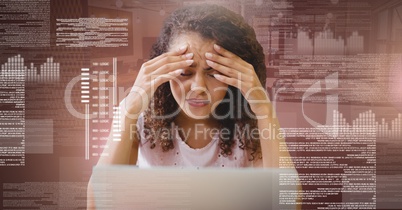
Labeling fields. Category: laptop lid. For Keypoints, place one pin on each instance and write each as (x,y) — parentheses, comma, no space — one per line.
(128,187)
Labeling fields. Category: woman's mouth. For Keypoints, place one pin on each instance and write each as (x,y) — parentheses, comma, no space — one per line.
(198,102)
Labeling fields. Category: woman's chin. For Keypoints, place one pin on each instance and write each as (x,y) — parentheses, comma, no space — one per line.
(197,116)
(197,113)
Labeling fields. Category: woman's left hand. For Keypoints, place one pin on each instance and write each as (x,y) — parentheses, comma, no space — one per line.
(240,74)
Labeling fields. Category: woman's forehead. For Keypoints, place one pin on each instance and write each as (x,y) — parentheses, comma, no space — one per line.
(196,43)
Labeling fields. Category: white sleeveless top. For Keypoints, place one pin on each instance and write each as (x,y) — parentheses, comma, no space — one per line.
(184,156)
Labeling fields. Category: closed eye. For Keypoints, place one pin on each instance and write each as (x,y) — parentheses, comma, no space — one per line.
(185,74)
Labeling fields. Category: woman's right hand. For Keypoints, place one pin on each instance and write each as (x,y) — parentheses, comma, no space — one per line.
(152,74)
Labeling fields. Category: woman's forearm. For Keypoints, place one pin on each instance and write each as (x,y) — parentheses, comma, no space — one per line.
(122,144)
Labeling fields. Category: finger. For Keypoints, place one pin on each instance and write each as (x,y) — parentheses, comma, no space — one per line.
(226,53)
(169,59)
(231,63)
(230,81)
(160,79)
(178,51)
(164,69)
(229,72)
(222,51)
(224,69)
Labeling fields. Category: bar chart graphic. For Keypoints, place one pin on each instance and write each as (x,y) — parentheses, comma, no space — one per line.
(366,122)
(325,43)
(49,72)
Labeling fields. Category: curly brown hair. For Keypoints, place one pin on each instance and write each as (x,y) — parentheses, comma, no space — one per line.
(230,31)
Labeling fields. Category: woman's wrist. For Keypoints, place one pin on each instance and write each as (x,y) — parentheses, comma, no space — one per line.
(263,111)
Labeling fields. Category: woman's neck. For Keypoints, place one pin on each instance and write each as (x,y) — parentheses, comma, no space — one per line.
(197,133)
(186,122)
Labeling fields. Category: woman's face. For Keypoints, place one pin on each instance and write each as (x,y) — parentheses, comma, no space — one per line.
(196,90)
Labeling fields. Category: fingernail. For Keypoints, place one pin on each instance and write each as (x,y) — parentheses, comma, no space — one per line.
(189,62)
(189,55)
(208,55)
(217,47)
(178,71)
(217,76)
(210,62)
(182,47)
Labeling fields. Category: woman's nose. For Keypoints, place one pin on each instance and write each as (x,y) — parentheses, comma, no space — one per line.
(198,83)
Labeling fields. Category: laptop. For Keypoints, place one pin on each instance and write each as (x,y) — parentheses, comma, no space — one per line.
(129,187)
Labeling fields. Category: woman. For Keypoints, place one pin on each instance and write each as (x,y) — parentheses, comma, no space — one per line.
(203,83)
(199,100)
